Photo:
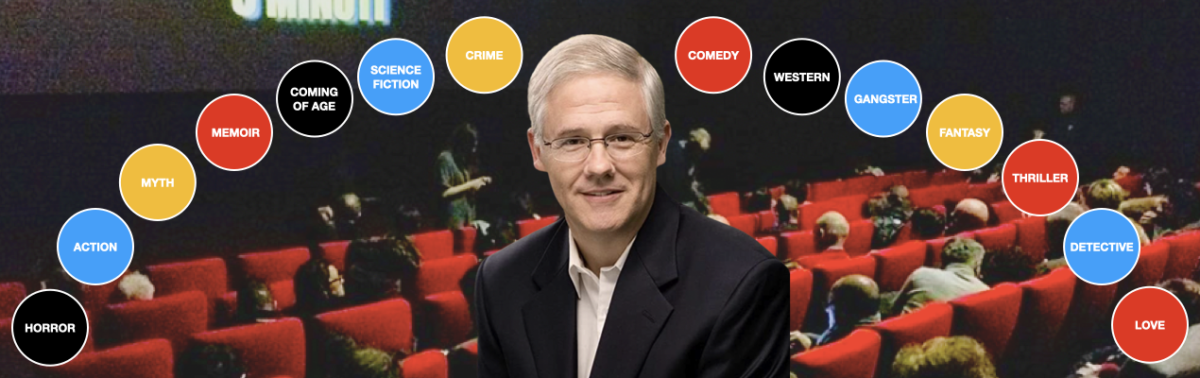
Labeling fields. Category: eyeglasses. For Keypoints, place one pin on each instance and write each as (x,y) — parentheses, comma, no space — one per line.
(618,146)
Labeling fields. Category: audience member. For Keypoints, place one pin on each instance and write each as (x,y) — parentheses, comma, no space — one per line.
(1056,234)
(319,287)
(889,211)
(785,210)
(209,361)
(256,303)
(853,302)
(1104,194)
(345,358)
(377,268)
(961,258)
(1009,264)
(135,286)
(944,357)
(831,231)
(928,224)
(968,215)
(457,167)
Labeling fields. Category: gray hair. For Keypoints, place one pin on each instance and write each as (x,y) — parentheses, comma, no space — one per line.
(590,53)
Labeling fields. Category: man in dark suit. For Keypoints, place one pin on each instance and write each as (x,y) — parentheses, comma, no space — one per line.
(627,283)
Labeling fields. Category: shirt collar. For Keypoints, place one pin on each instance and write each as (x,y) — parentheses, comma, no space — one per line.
(576,266)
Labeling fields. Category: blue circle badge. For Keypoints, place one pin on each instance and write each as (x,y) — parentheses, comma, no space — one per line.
(883,98)
(395,76)
(1102,246)
(95,246)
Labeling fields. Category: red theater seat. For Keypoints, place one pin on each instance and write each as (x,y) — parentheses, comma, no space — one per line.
(273,266)
(766,221)
(147,359)
(810,261)
(801,293)
(1090,316)
(528,226)
(859,241)
(725,204)
(284,293)
(1006,212)
(988,193)
(826,274)
(864,184)
(11,295)
(797,244)
(996,238)
(1151,264)
(849,206)
(1185,252)
(265,349)
(335,253)
(744,222)
(882,183)
(937,195)
(385,325)
(173,317)
(13,363)
(845,358)
(947,177)
(825,190)
(777,192)
(1044,305)
(894,265)
(435,245)
(427,364)
(770,243)
(1132,185)
(915,179)
(1031,236)
(989,317)
(932,320)
(94,298)
(464,239)
(208,276)
(442,275)
(446,321)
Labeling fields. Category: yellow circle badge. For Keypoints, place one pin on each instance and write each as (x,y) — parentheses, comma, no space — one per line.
(157,182)
(964,132)
(484,55)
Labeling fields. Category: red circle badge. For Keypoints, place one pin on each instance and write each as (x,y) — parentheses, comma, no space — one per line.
(713,55)
(1150,324)
(234,132)
(1040,177)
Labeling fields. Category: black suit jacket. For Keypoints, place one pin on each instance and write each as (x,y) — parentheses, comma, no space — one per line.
(695,298)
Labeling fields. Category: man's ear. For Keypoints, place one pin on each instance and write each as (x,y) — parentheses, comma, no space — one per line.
(662,146)
(536,150)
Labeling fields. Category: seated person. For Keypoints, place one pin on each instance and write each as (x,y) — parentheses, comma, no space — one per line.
(785,210)
(1056,234)
(928,224)
(961,259)
(889,211)
(348,216)
(1185,362)
(318,287)
(377,268)
(853,302)
(831,232)
(944,357)
(968,215)
(345,358)
(135,286)
(1104,194)
(1009,264)
(209,361)
(256,304)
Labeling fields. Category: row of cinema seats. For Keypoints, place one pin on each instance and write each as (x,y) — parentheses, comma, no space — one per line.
(1033,328)
(194,299)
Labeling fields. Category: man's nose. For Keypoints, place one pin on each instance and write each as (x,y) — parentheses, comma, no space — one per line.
(598,162)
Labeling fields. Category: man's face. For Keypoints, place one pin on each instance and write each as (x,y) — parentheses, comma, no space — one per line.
(600,193)
(1066,104)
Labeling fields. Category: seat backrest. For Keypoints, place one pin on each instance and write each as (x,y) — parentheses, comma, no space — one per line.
(335,253)
(766,221)
(849,206)
(844,358)
(770,243)
(1031,236)
(11,295)
(1006,212)
(915,179)
(441,275)
(824,190)
(272,266)
(810,261)
(947,177)
(1090,314)
(894,265)
(859,241)
(801,286)
(528,226)
(864,184)
(882,183)
(725,204)
(989,316)
(386,325)
(174,318)
(797,244)
(988,193)
(265,349)
(744,222)
(208,275)
(1044,305)
(435,245)
(932,320)
(464,239)
(1151,264)
(427,364)
(1185,253)
(446,318)
(147,359)
(996,238)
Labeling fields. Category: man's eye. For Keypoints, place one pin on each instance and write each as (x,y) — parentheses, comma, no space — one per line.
(621,138)
(572,142)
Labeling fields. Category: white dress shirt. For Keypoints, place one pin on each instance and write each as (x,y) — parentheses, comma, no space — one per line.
(595,294)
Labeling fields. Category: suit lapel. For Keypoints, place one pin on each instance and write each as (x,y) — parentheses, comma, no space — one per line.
(550,316)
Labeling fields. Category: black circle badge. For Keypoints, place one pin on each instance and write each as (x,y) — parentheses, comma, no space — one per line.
(314,98)
(49,327)
(802,77)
